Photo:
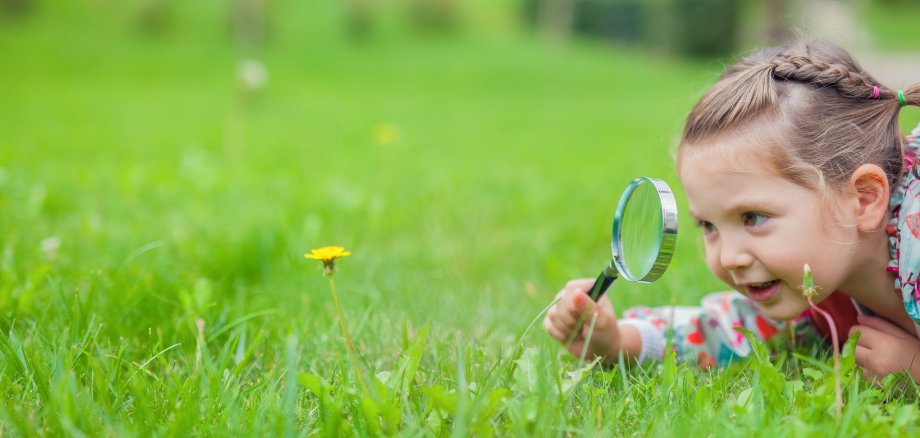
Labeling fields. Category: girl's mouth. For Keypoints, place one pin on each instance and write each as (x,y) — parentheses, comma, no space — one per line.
(762,291)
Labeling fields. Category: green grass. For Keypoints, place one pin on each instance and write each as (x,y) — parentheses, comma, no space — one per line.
(179,203)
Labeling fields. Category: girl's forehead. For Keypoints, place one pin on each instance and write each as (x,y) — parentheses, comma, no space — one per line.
(736,157)
(722,179)
(715,186)
(757,146)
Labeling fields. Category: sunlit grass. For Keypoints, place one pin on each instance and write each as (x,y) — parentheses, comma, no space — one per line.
(178,302)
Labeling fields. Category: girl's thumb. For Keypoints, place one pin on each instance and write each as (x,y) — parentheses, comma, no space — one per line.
(582,303)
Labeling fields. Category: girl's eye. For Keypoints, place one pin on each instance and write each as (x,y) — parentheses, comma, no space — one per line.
(708,228)
(752,219)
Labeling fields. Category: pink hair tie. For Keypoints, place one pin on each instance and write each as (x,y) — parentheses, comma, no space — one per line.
(875,91)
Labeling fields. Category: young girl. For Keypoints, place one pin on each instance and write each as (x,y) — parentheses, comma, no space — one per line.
(794,156)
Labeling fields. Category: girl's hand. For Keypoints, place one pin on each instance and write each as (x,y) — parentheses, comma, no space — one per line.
(563,318)
(884,348)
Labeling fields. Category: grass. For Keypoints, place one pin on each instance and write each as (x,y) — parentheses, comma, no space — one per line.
(179,301)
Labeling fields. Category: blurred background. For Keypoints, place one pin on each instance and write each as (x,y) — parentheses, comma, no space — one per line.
(163,160)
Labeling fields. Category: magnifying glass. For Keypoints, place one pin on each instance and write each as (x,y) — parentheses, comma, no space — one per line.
(644,235)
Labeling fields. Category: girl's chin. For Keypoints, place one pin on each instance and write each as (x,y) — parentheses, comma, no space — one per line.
(780,304)
(783,311)
(783,308)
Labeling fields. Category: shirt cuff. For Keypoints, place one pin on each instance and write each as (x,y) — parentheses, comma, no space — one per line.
(652,339)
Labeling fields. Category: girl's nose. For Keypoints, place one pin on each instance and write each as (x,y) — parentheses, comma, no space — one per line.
(734,257)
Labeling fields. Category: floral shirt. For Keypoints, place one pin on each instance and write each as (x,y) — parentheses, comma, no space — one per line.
(706,334)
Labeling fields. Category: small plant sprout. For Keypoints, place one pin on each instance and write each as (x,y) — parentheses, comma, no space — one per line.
(809,290)
(327,255)
(808,283)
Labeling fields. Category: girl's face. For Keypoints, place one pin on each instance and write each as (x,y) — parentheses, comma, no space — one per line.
(760,229)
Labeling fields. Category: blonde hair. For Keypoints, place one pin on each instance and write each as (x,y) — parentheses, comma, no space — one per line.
(820,106)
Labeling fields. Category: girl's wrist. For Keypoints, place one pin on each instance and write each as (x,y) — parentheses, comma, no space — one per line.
(640,340)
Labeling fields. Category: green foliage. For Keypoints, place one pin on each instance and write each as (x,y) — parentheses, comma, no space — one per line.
(886,19)
(695,28)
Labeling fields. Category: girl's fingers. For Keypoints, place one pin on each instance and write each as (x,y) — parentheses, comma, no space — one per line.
(862,355)
(580,285)
(554,332)
(550,315)
(562,335)
(581,304)
(871,376)
(586,330)
(869,336)
(883,326)
(556,327)
(573,312)
(565,307)
(550,326)
(566,315)
(573,307)
(573,289)
(559,318)
(574,286)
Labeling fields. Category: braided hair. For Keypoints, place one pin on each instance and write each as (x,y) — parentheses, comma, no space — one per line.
(826,116)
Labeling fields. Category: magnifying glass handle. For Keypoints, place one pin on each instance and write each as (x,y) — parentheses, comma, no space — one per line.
(603,282)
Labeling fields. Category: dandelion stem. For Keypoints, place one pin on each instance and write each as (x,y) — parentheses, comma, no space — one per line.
(351,347)
(834,340)
(809,290)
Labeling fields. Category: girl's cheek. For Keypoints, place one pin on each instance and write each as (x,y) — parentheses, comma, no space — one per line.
(712,261)
(715,264)
(721,274)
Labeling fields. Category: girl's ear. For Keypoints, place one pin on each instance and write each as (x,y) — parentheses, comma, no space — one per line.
(870,185)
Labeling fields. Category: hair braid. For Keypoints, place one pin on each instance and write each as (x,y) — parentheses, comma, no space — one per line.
(801,68)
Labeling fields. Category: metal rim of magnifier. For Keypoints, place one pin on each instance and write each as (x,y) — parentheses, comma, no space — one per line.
(667,237)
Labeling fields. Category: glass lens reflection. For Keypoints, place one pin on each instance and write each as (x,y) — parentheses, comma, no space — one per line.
(640,232)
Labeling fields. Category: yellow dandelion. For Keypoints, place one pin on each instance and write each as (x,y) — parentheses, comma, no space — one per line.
(327,255)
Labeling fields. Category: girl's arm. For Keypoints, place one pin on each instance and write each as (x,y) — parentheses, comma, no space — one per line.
(703,334)
(706,334)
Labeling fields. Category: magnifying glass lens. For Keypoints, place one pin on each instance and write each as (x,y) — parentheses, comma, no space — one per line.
(640,232)
(643,237)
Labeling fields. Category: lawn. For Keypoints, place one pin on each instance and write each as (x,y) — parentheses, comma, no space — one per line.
(154,216)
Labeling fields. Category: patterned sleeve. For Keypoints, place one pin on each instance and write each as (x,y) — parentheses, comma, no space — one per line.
(705,335)
(904,229)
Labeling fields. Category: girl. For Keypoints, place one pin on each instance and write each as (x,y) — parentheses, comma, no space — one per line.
(794,156)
